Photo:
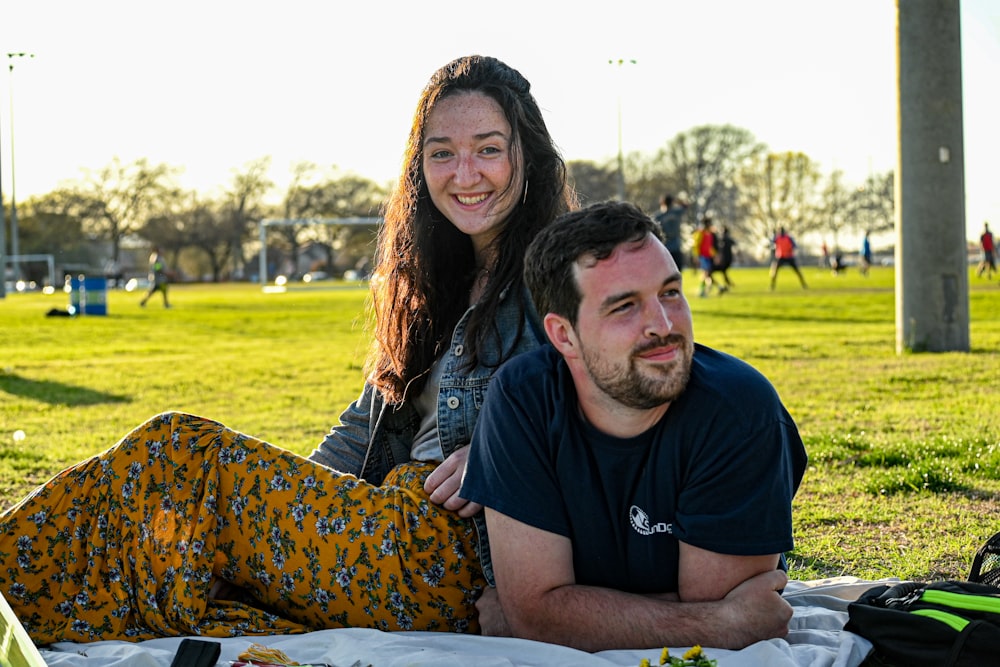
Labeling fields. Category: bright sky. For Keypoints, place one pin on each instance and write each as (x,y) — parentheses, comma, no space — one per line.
(209,85)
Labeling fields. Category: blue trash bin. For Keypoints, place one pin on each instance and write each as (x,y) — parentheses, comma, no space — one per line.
(88,296)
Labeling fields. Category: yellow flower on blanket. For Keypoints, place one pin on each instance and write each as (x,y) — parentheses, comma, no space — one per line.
(694,653)
(694,657)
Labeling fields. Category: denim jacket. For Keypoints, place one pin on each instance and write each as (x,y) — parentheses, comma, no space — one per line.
(374,436)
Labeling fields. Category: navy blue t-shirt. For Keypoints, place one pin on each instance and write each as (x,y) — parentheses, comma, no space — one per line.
(717,472)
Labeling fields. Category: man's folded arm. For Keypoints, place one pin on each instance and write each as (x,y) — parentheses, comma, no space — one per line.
(724,601)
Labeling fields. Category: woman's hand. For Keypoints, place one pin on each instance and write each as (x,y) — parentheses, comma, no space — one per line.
(444,483)
(492,622)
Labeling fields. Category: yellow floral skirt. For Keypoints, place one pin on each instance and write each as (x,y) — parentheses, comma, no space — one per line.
(128,544)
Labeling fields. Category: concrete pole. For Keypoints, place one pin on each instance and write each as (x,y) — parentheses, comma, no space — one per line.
(3,242)
(3,245)
(932,274)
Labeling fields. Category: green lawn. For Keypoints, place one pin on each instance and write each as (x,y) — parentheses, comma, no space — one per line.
(904,478)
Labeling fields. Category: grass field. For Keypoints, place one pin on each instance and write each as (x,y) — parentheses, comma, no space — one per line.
(904,476)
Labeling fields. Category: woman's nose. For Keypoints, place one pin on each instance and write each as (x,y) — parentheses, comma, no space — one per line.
(466,172)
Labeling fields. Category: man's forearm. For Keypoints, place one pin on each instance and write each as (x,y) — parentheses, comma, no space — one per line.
(597,619)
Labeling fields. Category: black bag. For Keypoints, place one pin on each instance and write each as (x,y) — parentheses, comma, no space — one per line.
(945,623)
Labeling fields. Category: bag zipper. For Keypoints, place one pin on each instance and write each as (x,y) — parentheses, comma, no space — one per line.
(962,601)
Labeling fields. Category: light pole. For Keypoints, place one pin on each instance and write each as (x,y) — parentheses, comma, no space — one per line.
(621,157)
(15,249)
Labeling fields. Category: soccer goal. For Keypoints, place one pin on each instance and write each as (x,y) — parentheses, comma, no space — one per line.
(21,275)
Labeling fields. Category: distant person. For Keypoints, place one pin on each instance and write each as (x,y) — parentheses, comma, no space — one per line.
(638,485)
(724,260)
(837,263)
(159,279)
(706,247)
(865,254)
(669,218)
(986,242)
(783,248)
(113,273)
(824,260)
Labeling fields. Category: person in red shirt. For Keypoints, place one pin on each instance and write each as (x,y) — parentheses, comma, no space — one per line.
(784,255)
(986,242)
(705,245)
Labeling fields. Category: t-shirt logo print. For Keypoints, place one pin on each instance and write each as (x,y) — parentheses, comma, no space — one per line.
(640,522)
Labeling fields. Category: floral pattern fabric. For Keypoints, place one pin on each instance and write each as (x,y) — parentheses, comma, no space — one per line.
(129,544)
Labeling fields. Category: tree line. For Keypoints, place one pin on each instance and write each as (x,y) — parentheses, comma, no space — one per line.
(722,171)
(725,173)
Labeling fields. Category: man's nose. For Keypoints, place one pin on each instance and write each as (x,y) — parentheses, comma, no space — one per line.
(658,322)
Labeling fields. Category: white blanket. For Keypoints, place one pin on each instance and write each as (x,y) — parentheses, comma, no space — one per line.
(816,639)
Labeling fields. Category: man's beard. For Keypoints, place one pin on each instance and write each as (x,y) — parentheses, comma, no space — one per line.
(634,388)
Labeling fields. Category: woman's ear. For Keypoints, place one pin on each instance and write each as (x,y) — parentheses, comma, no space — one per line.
(561,334)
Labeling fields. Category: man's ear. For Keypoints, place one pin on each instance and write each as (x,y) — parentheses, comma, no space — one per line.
(561,334)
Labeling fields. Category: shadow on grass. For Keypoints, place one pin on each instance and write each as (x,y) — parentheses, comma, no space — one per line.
(777,316)
(56,393)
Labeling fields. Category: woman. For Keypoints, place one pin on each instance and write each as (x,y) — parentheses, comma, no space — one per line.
(370,532)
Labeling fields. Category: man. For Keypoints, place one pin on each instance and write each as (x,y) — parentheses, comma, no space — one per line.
(987,244)
(784,247)
(669,218)
(866,253)
(706,247)
(158,278)
(637,485)
(724,259)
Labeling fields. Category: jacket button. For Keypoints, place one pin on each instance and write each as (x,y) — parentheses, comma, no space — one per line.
(453,402)
(459,349)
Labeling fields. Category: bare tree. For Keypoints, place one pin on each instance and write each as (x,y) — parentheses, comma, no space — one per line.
(872,204)
(835,209)
(780,190)
(650,179)
(242,205)
(118,199)
(593,182)
(300,203)
(50,225)
(192,222)
(168,232)
(346,196)
(705,162)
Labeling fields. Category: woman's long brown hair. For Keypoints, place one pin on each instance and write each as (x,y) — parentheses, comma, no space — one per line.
(424,266)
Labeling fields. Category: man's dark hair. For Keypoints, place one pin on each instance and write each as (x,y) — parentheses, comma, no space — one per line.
(594,231)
